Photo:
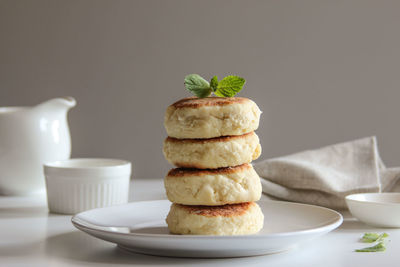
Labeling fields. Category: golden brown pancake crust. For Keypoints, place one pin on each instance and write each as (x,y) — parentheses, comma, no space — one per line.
(180,172)
(230,210)
(195,102)
(209,140)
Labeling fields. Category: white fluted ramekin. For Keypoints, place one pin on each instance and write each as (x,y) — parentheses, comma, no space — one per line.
(75,185)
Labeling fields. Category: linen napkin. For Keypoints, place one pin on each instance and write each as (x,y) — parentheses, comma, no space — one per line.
(325,176)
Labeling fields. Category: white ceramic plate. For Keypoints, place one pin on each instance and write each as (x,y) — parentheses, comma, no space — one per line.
(376,209)
(141,227)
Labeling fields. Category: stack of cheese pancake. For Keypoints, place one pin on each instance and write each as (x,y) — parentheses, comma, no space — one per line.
(212,142)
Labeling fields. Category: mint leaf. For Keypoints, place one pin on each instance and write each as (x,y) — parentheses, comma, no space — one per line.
(229,86)
(369,237)
(373,237)
(197,85)
(214,83)
(378,247)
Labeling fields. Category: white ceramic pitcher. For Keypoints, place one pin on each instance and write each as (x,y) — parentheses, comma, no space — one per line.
(30,136)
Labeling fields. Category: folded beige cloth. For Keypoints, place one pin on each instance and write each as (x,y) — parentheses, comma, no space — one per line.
(325,176)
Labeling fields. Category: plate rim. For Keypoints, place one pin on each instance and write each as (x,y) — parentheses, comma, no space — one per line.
(324,228)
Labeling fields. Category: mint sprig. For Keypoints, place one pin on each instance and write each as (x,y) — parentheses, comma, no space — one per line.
(227,87)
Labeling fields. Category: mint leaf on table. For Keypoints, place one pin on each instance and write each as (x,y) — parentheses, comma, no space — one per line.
(229,86)
(197,85)
(214,83)
(378,247)
(373,237)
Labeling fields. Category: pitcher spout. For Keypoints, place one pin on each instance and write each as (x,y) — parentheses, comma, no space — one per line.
(67,101)
(60,103)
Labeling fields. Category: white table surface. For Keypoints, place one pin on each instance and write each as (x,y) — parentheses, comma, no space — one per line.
(30,236)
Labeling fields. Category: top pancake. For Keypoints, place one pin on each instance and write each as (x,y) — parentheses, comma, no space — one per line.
(211,117)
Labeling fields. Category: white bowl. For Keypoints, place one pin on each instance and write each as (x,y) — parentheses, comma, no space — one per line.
(76,185)
(376,209)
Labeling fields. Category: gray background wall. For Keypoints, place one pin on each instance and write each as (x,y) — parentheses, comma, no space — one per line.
(322,71)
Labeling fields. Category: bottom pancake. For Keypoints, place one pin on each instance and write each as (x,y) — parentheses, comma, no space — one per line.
(235,219)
